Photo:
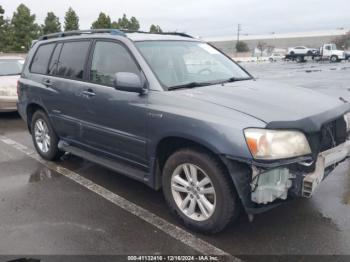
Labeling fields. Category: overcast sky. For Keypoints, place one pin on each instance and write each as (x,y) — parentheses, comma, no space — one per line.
(204,17)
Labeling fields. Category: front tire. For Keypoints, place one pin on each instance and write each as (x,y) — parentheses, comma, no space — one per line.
(44,137)
(199,191)
(334,59)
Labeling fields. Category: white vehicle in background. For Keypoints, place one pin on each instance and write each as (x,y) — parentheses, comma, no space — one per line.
(330,51)
(10,70)
(274,57)
(301,50)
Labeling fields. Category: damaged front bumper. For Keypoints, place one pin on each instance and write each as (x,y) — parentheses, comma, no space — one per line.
(264,186)
(278,183)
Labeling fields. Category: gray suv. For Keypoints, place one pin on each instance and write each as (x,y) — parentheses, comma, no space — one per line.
(175,113)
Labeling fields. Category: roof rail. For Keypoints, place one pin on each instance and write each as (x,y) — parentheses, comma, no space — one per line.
(81,32)
(162,33)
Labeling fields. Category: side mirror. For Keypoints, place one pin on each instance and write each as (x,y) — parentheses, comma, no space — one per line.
(128,82)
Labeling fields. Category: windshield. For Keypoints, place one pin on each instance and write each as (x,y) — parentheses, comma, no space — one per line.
(11,66)
(177,63)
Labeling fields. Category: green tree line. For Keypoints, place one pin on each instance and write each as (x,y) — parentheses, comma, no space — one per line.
(17,33)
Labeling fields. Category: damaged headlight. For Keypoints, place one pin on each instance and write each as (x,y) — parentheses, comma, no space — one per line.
(276,144)
(347,121)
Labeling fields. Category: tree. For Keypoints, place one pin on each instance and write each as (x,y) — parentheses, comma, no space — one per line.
(71,20)
(103,21)
(155,29)
(2,29)
(24,28)
(124,23)
(242,47)
(51,24)
(134,24)
(343,41)
(2,20)
(261,47)
(6,36)
(269,49)
(6,33)
(115,25)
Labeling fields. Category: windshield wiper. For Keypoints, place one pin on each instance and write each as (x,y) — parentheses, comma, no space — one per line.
(234,79)
(189,85)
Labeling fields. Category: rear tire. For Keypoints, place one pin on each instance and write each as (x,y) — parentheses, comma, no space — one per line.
(300,59)
(224,206)
(44,137)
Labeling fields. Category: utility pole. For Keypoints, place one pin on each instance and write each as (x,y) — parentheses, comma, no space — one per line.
(238,32)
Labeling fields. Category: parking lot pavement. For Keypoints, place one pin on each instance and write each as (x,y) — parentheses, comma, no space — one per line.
(330,78)
(43,212)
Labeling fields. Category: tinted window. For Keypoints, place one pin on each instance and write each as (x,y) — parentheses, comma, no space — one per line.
(41,59)
(72,59)
(54,59)
(110,58)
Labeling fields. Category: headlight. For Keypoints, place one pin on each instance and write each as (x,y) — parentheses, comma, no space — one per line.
(347,121)
(276,144)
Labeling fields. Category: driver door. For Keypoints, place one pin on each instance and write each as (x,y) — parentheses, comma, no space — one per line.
(115,120)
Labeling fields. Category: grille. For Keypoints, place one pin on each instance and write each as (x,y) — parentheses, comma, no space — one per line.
(333,134)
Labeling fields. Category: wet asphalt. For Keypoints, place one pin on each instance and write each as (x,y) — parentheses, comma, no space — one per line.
(42,212)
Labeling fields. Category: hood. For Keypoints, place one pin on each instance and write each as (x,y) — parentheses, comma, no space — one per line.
(8,85)
(265,100)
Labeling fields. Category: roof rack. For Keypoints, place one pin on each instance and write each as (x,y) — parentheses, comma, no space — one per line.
(81,32)
(121,32)
(162,33)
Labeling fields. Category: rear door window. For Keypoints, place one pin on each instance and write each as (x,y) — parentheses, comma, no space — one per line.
(41,59)
(72,59)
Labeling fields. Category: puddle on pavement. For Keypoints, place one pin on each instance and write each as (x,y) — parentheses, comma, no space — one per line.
(42,174)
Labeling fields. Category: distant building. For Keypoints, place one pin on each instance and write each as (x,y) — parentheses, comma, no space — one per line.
(312,39)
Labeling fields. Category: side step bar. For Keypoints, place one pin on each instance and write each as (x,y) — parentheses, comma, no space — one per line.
(114,165)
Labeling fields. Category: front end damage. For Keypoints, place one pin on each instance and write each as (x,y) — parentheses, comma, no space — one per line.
(278,183)
(265,184)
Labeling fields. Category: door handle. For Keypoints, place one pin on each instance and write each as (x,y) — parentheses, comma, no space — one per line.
(47,82)
(88,93)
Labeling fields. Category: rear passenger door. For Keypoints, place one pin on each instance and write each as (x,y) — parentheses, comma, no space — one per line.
(114,120)
(67,71)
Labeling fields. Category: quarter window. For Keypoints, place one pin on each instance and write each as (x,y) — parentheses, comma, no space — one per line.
(72,59)
(108,59)
(41,59)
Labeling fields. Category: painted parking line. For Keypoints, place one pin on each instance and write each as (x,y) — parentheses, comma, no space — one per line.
(174,231)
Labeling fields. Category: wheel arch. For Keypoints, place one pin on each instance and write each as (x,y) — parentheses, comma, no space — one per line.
(170,144)
(30,110)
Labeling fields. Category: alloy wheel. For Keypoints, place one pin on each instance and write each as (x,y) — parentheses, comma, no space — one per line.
(42,136)
(193,192)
